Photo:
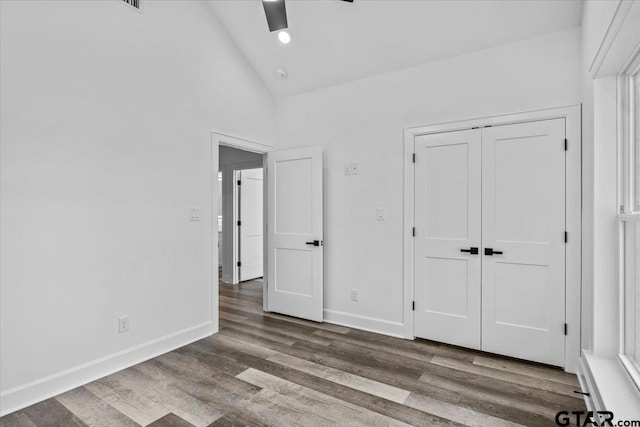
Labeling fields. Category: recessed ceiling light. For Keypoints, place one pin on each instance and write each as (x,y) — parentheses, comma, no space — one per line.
(284,37)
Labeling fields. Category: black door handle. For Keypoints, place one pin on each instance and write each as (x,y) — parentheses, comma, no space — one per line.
(314,243)
(490,252)
(472,250)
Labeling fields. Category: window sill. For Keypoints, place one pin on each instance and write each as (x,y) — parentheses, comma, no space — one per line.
(610,386)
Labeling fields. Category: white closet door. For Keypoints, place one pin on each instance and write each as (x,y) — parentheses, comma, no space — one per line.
(294,201)
(523,223)
(251,226)
(447,219)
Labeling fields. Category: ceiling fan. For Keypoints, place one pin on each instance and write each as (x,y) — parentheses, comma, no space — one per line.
(276,13)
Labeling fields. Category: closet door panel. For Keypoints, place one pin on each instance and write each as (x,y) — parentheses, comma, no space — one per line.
(523,225)
(447,218)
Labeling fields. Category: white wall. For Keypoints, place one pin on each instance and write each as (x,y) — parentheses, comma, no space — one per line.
(362,122)
(106,120)
(229,159)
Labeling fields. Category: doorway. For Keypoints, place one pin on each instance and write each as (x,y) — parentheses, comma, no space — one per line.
(240,216)
(292,253)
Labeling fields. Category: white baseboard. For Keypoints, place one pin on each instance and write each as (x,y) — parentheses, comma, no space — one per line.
(365,323)
(36,391)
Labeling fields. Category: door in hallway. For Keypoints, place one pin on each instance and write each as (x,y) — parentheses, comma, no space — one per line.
(250,225)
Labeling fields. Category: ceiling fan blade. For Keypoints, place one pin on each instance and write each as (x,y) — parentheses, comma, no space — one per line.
(276,12)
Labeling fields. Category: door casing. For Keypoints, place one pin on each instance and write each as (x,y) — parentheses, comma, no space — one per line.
(218,139)
(573,273)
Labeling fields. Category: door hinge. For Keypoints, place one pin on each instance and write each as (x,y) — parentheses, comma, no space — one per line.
(566,144)
(413,232)
(239,182)
(239,223)
(566,329)
(413,305)
(239,264)
(414,157)
(566,237)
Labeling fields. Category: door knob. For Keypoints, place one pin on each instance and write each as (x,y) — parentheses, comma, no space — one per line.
(314,243)
(491,252)
(472,250)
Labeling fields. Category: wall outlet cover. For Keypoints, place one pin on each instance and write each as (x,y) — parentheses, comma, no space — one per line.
(195,214)
(123,324)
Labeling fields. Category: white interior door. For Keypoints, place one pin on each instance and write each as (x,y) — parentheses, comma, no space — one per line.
(447,219)
(523,223)
(294,191)
(251,227)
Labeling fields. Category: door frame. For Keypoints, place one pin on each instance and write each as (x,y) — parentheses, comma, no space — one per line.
(573,272)
(218,139)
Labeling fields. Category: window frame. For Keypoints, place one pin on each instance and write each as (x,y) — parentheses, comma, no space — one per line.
(629,214)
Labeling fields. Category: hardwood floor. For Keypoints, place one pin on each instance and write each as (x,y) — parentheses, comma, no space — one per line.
(268,369)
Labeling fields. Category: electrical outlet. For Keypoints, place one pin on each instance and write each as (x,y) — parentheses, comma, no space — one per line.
(123,324)
(354,295)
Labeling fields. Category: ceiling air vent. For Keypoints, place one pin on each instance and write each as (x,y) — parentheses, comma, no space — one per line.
(136,4)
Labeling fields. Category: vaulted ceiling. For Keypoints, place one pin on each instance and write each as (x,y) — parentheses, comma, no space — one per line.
(335,41)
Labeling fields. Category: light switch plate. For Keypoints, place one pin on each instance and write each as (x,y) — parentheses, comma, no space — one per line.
(380,215)
(194,214)
(351,169)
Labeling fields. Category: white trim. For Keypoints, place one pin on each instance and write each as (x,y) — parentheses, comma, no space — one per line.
(241,143)
(607,41)
(584,386)
(572,116)
(365,323)
(620,43)
(587,385)
(218,139)
(53,385)
(409,222)
(609,386)
(631,369)
(627,193)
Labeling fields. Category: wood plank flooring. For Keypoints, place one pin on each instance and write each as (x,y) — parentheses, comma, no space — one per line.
(266,369)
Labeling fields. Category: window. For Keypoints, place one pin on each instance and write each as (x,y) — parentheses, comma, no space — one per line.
(629,112)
